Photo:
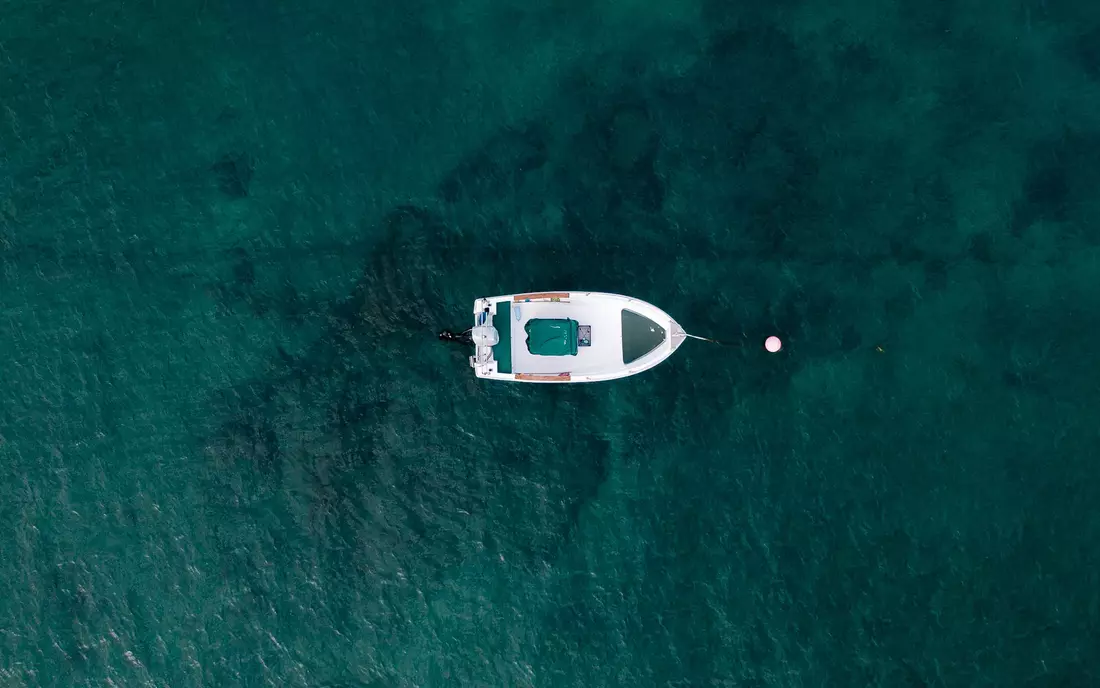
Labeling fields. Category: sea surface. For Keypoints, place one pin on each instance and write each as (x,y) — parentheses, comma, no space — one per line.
(233,453)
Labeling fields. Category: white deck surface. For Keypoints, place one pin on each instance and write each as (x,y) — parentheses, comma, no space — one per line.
(606,352)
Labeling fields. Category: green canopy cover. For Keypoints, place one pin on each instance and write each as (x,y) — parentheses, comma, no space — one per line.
(556,337)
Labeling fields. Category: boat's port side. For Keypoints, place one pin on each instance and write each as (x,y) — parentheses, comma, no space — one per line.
(542,296)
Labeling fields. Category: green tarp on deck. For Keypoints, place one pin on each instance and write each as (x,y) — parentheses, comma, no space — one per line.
(551,337)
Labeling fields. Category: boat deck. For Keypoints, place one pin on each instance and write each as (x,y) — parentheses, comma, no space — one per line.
(605,352)
(650,336)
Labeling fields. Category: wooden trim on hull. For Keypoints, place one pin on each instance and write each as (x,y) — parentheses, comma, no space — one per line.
(533,377)
(541,296)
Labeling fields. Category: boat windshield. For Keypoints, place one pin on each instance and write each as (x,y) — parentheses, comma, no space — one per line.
(640,336)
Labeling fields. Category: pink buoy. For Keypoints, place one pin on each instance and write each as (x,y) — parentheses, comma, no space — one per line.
(773,344)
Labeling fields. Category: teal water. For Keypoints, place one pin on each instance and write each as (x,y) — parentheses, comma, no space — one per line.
(232,452)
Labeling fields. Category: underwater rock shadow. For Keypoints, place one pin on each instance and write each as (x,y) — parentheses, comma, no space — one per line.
(606,180)
(498,167)
(328,414)
(1061,176)
(233,173)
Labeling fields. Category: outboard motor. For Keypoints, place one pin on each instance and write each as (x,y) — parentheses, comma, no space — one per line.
(485,335)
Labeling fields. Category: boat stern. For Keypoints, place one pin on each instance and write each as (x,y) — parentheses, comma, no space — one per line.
(491,335)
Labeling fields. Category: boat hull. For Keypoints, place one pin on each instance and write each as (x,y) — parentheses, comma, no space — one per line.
(614,336)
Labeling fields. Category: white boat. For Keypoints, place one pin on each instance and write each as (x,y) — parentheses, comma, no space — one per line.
(556,337)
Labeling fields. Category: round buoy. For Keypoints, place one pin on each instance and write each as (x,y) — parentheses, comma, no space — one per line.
(773,344)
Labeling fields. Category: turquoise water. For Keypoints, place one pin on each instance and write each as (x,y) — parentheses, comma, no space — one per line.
(232,452)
